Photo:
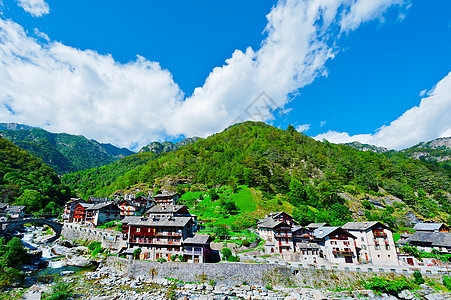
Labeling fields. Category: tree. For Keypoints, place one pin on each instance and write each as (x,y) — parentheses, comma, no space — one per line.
(14,254)
(221,231)
(226,253)
(297,194)
(304,215)
(230,207)
(32,199)
(136,253)
(213,195)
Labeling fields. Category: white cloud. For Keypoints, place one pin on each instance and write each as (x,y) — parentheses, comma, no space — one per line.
(36,8)
(430,120)
(61,88)
(322,123)
(303,128)
(422,93)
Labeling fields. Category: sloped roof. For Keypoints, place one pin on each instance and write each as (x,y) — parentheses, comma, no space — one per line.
(85,205)
(163,222)
(100,206)
(198,239)
(270,223)
(165,195)
(428,226)
(3,205)
(362,225)
(131,219)
(294,229)
(324,231)
(439,239)
(313,226)
(156,209)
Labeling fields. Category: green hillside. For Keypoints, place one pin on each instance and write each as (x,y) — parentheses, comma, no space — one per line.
(26,180)
(63,152)
(288,170)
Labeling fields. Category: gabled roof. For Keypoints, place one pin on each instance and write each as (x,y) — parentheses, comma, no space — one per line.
(131,219)
(3,206)
(438,239)
(163,222)
(294,229)
(271,223)
(313,226)
(101,205)
(199,239)
(98,199)
(363,225)
(325,231)
(85,205)
(428,226)
(165,195)
(161,209)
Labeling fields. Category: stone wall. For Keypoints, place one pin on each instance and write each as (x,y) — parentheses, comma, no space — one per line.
(222,273)
(110,239)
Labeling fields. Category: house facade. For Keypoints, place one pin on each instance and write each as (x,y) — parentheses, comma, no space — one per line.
(159,237)
(130,208)
(102,213)
(69,209)
(428,241)
(374,242)
(80,212)
(197,249)
(336,245)
(431,227)
(275,229)
(166,199)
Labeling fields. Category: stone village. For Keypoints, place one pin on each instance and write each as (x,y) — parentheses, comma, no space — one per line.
(162,230)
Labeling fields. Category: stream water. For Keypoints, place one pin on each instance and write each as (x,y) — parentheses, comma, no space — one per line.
(56,263)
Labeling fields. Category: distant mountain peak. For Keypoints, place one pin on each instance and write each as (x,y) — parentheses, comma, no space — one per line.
(14,126)
(366,147)
(165,147)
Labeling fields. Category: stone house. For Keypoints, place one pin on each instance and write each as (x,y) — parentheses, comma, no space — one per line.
(69,209)
(15,212)
(428,241)
(335,244)
(158,237)
(277,235)
(166,198)
(80,212)
(374,242)
(102,213)
(130,208)
(431,227)
(197,249)
(171,210)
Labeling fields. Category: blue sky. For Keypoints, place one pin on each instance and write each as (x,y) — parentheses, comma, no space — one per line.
(368,73)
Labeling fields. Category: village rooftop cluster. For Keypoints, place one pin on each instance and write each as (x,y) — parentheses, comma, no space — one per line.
(161,229)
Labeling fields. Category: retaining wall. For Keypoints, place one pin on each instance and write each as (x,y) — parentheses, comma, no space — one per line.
(221,273)
(110,239)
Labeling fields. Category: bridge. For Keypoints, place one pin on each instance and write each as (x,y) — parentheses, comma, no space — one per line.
(13,225)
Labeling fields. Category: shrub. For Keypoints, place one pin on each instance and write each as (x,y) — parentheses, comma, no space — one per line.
(136,253)
(233,258)
(173,257)
(246,243)
(94,245)
(96,251)
(447,282)
(391,286)
(161,259)
(60,291)
(418,278)
(181,258)
(226,253)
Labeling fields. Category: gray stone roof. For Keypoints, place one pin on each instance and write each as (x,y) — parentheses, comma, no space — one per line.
(313,226)
(362,225)
(100,206)
(435,239)
(86,205)
(324,231)
(270,223)
(3,206)
(201,239)
(162,222)
(129,219)
(159,209)
(428,226)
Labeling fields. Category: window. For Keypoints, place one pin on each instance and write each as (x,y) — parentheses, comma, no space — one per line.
(138,229)
(377,247)
(387,247)
(362,239)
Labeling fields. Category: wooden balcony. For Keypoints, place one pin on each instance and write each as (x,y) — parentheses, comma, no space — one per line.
(379,234)
(342,252)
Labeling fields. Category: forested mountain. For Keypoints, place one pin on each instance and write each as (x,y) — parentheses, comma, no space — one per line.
(63,152)
(285,165)
(164,147)
(26,180)
(435,151)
